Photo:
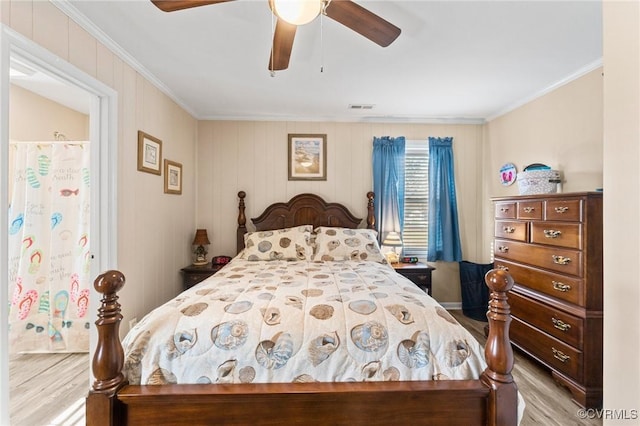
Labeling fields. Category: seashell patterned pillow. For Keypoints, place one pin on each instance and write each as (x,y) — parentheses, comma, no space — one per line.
(279,244)
(347,244)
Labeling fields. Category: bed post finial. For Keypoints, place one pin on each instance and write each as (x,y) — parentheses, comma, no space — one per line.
(499,353)
(371,216)
(242,222)
(109,355)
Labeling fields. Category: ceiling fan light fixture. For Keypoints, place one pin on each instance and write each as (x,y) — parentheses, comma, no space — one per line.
(296,12)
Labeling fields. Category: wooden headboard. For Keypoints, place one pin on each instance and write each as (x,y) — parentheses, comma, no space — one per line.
(303,209)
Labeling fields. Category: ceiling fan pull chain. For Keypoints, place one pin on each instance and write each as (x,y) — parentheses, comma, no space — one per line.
(325,4)
(321,42)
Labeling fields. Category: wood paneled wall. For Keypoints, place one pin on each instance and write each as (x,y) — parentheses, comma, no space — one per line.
(155,230)
(252,156)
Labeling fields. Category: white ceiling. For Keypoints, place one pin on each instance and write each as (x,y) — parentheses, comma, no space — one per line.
(463,61)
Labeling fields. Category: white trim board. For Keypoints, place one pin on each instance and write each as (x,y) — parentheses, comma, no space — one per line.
(103,135)
(452,306)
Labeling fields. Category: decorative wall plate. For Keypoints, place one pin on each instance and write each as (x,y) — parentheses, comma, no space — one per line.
(508,174)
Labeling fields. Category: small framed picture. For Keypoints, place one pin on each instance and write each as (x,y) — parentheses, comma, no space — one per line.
(307,157)
(172,177)
(149,153)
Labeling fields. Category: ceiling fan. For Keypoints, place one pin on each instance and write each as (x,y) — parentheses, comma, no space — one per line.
(291,13)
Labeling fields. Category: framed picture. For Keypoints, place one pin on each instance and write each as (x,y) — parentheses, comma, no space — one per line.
(149,153)
(307,157)
(172,177)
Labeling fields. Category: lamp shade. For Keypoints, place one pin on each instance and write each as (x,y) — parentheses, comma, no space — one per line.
(201,238)
(392,240)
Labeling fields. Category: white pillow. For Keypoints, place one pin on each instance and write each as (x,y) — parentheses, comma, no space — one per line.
(279,244)
(347,244)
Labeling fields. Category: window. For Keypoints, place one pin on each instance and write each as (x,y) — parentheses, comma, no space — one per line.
(416,199)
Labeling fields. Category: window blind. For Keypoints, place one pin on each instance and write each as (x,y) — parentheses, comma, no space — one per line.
(416,199)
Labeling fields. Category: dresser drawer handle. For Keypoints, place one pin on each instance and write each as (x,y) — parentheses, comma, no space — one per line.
(422,277)
(561,209)
(503,268)
(560,356)
(509,229)
(528,209)
(561,260)
(503,249)
(504,209)
(551,233)
(557,285)
(560,325)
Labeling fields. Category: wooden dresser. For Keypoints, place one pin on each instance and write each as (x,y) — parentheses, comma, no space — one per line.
(552,246)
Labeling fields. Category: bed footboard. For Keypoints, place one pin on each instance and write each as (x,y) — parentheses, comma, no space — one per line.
(491,400)
(503,398)
(102,406)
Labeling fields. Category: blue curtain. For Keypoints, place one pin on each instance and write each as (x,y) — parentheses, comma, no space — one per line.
(444,233)
(388,183)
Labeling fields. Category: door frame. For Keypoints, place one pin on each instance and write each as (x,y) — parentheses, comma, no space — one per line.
(103,129)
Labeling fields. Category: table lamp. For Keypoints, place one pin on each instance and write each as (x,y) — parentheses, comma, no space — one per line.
(392,240)
(200,241)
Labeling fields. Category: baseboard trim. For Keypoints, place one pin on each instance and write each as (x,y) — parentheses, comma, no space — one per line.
(452,306)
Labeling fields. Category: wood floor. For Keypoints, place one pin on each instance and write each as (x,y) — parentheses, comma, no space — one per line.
(547,402)
(49,389)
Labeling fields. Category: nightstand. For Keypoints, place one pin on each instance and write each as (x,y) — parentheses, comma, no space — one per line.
(419,273)
(192,275)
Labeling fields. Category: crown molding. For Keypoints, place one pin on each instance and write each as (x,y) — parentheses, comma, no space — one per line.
(78,17)
(568,79)
(365,119)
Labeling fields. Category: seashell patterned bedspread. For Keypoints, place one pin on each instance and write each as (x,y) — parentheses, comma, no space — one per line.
(292,321)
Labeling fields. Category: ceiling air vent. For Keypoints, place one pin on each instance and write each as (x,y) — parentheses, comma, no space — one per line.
(360,106)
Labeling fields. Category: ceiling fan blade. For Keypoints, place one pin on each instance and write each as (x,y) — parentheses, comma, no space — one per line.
(173,5)
(282,45)
(362,21)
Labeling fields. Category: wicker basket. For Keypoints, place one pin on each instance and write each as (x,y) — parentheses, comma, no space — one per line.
(538,182)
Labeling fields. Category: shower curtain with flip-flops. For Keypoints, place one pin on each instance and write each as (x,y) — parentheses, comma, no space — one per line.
(49,247)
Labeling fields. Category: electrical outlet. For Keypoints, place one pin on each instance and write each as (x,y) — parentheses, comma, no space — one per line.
(133,323)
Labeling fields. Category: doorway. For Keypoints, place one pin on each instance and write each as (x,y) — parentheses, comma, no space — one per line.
(101,102)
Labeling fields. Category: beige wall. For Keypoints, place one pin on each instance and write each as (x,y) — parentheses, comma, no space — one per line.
(34,118)
(621,208)
(154,229)
(562,129)
(252,156)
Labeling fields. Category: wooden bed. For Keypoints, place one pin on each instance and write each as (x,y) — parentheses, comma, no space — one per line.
(491,400)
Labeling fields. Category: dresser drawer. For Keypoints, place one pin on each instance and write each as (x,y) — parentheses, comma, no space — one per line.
(421,279)
(564,210)
(418,273)
(192,279)
(569,289)
(506,210)
(530,210)
(557,323)
(551,351)
(556,259)
(192,274)
(557,234)
(512,229)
